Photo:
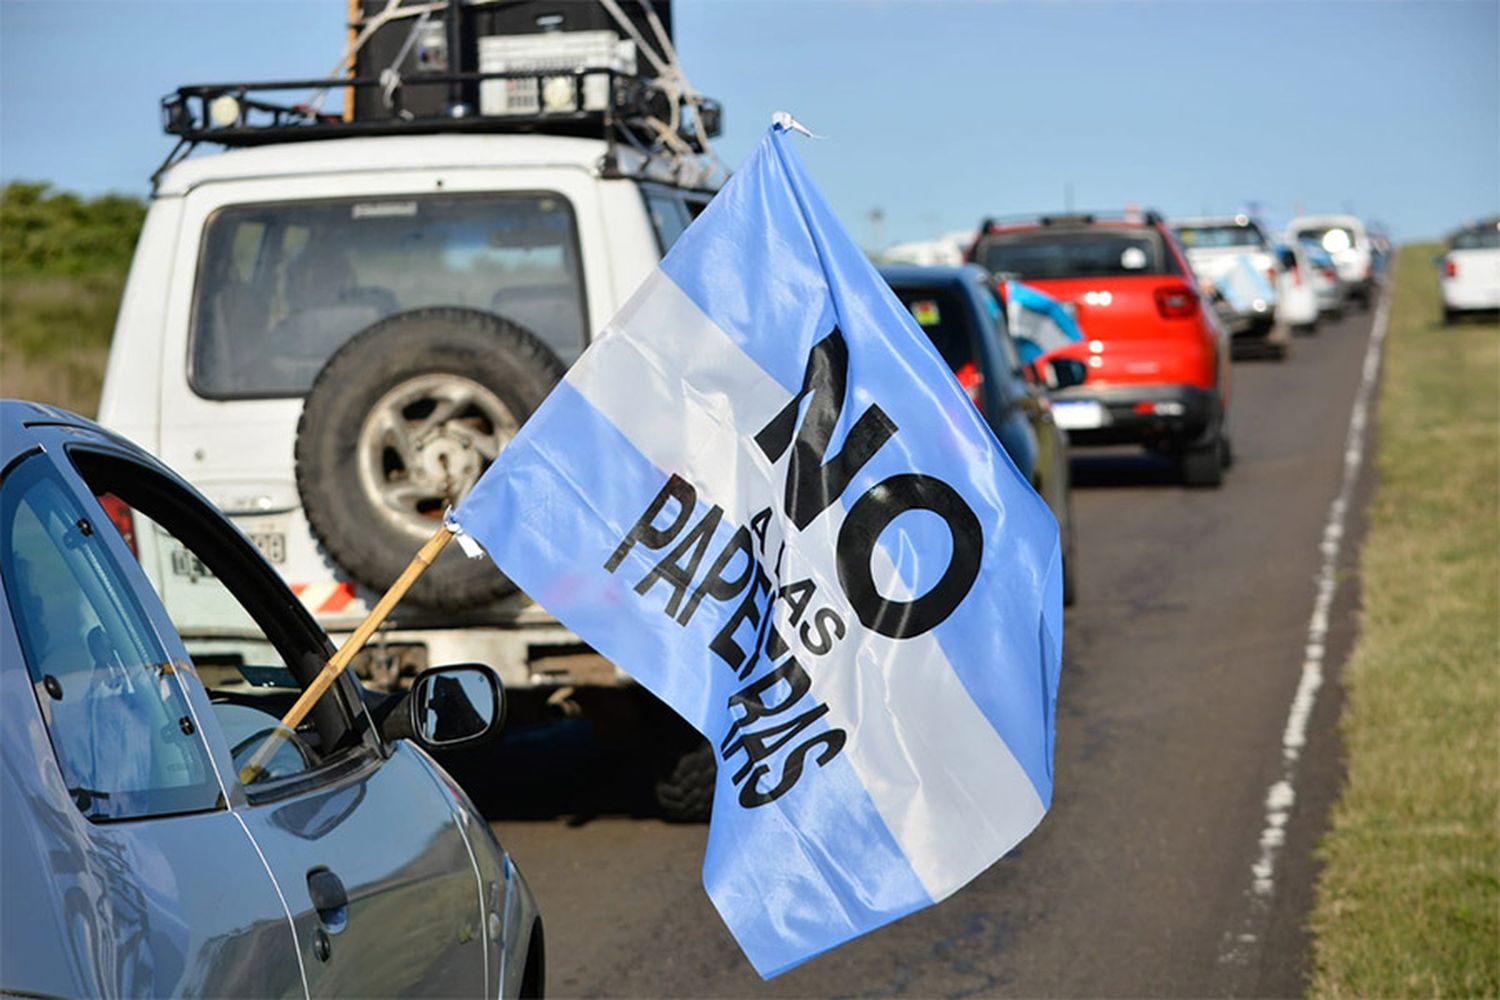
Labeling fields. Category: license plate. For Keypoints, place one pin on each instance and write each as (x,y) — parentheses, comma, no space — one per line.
(184,563)
(272,545)
(1078,415)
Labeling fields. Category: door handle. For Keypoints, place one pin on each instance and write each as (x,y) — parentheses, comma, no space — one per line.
(329,898)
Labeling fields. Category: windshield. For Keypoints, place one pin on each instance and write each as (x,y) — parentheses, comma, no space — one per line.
(1042,254)
(1220,236)
(281,287)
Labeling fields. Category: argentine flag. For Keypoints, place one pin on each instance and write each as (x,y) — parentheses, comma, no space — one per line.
(761,492)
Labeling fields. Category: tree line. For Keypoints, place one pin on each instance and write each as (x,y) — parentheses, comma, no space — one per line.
(47,232)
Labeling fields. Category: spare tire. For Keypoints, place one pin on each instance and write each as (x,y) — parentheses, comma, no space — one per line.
(399,425)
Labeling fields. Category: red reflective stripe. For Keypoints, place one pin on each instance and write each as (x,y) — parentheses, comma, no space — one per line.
(342,597)
(325,598)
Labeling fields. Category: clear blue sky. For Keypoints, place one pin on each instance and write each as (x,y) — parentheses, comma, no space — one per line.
(936,113)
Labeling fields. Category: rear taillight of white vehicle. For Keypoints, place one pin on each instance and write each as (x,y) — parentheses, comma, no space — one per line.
(120,515)
(1450,268)
(1176,302)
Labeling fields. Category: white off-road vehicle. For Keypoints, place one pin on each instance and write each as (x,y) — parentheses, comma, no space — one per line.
(334,326)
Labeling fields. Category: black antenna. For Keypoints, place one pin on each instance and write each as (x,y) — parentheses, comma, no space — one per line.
(457,108)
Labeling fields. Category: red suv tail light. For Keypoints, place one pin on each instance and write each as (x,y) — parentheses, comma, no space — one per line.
(119,514)
(1176,302)
(1450,269)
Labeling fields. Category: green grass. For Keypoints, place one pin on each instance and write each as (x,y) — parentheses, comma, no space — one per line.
(63,260)
(54,336)
(1408,903)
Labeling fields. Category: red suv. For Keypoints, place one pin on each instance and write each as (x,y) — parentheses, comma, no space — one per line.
(1157,355)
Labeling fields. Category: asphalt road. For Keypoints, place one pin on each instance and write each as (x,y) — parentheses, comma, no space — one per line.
(1181,661)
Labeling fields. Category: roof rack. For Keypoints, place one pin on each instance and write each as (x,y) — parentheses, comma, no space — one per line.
(417,80)
(567,103)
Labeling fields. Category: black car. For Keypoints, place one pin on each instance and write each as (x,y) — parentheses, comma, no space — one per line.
(958,310)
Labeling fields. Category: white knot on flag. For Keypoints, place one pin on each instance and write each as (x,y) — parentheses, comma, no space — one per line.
(784,121)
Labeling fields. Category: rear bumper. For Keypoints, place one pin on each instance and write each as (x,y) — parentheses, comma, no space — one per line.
(1457,297)
(1166,416)
(1331,299)
(1250,323)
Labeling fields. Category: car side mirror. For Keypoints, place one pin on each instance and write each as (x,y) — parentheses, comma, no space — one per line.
(1068,372)
(448,708)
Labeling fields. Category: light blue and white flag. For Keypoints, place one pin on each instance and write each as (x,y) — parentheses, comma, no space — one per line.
(761,492)
(1038,322)
(1242,285)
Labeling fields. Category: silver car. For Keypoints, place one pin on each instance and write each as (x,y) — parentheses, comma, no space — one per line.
(161,831)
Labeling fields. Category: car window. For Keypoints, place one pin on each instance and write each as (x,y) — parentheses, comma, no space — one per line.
(252,654)
(1043,254)
(1333,239)
(669,217)
(121,727)
(942,315)
(1486,238)
(1220,236)
(282,286)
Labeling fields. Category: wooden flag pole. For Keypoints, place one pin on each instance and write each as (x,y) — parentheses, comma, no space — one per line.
(424,558)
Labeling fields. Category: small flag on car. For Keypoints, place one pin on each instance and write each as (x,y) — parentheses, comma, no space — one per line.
(761,492)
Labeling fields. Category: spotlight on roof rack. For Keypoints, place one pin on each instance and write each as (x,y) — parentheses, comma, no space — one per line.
(223,111)
(559,93)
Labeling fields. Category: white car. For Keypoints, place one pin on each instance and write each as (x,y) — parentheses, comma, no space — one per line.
(1296,291)
(1471,269)
(332,328)
(1327,284)
(1345,239)
(1215,246)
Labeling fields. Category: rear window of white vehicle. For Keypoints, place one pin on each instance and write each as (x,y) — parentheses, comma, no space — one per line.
(1487,238)
(283,286)
(1042,254)
(1332,239)
(1220,236)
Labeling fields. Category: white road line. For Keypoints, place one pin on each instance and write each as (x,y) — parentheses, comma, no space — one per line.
(1240,944)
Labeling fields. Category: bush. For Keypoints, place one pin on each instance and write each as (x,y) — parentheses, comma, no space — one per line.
(63,261)
(51,233)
